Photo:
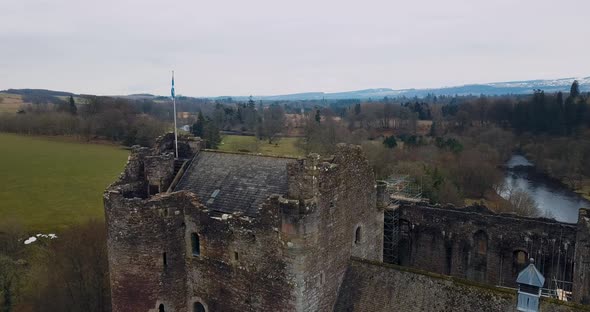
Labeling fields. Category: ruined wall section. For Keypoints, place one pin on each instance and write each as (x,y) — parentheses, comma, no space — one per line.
(145,232)
(159,172)
(582,265)
(477,244)
(150,171)
(145,241)
(376,287)
(241,262)
(328,201)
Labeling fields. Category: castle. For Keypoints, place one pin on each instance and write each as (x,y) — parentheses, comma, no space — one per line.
(213,231)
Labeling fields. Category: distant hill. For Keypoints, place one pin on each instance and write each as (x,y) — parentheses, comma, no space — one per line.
(37,92)
(496,88)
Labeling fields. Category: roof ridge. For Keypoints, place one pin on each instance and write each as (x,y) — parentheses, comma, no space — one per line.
(250,154)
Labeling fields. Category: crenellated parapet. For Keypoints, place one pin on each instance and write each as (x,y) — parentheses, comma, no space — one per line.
(150,171)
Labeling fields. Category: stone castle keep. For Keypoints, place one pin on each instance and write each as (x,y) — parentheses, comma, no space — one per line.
(213,231)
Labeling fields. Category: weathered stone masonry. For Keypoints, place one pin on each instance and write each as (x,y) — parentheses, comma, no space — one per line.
(477,244)
(214,231)
(274,234)
(377,287)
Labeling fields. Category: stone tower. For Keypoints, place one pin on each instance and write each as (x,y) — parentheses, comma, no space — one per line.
(237,232)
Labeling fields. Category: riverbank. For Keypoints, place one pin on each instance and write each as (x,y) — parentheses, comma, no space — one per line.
(554,198)
(564,159)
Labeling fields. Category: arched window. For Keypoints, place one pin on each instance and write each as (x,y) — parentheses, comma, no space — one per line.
(196,244)
(198,307)
(520,257)
(161,308)
(357,235)
(480,240)
(520,261)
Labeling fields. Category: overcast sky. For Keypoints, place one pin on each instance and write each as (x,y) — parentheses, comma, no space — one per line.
(265,47)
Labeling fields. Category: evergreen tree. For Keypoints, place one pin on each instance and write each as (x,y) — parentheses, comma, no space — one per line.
(558,111)
(211,134)
(199,126)
(575,89)
(390,142)
(433,129)
(72,109)
(357,108)
(570,114)
(251,103)
(318,117)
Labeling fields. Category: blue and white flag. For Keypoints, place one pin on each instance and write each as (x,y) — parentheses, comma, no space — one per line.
(172,90)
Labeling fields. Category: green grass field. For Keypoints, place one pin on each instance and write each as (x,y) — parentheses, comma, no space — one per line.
(47,184)
(239,143)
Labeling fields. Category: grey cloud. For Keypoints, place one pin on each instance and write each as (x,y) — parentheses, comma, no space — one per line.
(273,47)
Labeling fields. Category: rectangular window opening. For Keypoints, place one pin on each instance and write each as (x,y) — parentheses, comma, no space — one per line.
(196,244)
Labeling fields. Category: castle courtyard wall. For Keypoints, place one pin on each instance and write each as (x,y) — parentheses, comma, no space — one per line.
(376,287)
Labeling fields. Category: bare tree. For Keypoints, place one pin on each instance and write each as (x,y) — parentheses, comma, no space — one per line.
(10,270)
(273,121)
(77,261)
(521,203)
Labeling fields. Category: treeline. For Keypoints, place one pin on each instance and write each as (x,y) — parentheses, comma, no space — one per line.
(540,113)
(266,122)
(69,273)
(116,119)
(563,158)
(559,114)
(451,164)
(447,169)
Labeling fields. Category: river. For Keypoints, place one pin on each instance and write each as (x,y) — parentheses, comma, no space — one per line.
(554,199)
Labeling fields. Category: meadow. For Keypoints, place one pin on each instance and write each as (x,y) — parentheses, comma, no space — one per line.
(250,144)
(47,184)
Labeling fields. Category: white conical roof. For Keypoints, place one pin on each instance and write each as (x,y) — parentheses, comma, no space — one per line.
(531,276)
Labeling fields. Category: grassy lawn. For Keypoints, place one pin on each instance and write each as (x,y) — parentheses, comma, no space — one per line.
(46,184)
(249,144)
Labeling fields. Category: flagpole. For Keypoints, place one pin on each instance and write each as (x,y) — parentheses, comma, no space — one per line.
(175,128)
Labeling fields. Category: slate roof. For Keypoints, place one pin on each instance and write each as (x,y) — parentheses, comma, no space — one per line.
(230,183)
(531,276)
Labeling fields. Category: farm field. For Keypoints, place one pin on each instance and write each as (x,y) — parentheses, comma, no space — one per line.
(47,184)
(250,144)
(9,103)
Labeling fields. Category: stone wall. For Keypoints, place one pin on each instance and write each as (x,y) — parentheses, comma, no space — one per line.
(329,202)
(480,245)
(292,256)
(241,264)
(582,276)
(376,287)
(141,233)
